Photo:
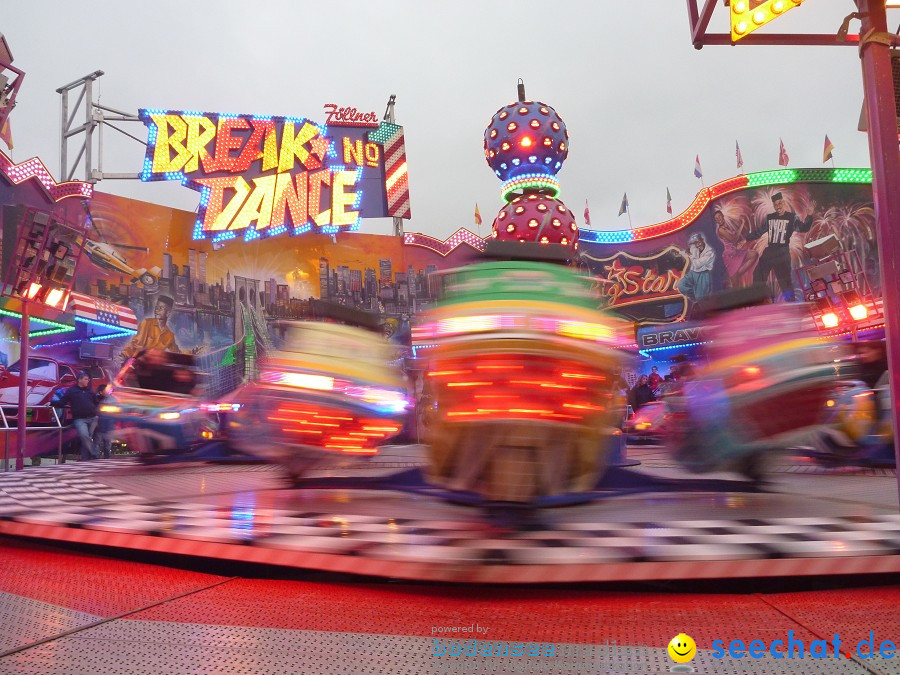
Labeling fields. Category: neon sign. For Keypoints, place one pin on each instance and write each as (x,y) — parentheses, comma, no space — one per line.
(349,117)
(644,289)
(263,176)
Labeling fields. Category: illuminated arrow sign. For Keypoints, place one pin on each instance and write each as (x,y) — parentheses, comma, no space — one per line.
(748,15)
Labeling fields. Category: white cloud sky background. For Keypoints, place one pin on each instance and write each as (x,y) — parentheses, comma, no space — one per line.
(638,100)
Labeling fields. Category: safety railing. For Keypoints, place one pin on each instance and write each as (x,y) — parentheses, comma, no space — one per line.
(55,425)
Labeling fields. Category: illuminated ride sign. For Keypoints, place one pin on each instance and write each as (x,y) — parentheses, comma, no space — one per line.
(643,289)
(263,176)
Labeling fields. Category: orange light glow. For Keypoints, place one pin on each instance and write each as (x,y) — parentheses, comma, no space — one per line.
(526,142)
(858,312)
(469,384)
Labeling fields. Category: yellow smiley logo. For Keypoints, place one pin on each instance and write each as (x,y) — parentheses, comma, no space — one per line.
(682,648)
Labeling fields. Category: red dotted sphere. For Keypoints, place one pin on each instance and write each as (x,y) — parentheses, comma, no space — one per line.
(536,218)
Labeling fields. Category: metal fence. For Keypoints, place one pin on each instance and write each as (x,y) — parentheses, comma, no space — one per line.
(56,425)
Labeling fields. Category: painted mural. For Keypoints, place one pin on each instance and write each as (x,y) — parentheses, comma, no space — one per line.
(186,294)
(757,235)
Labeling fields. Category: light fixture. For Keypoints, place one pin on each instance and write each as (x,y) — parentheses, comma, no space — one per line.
(830,320)
(859,312)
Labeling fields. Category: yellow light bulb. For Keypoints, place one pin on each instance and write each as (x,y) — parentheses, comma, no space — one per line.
(526,142)
(741,28)
(778,7)
(759,18)
(740,7)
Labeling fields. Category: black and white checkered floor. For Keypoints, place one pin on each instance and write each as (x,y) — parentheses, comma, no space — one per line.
(244,513)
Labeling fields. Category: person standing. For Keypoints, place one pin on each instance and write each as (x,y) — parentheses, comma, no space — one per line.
(655,379)
(641,394)
(780,227)
(83,401)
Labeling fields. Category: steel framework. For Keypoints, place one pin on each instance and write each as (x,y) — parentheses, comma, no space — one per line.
(96,117)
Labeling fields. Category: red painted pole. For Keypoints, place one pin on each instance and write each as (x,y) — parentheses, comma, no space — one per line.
(878,85)
(22,422)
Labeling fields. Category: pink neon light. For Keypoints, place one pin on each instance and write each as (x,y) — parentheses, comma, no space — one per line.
(461,236)
(34,168)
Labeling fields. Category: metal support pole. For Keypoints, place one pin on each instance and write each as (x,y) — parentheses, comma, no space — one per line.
(22,422)
(5,441)
(878,86)
(63,128)
(88,130)
(59,455)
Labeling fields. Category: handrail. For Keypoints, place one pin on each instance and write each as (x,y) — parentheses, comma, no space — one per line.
(6,428)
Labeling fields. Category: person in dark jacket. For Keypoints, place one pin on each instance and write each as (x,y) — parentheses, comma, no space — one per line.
(641,393)
(873,361)
(82,401)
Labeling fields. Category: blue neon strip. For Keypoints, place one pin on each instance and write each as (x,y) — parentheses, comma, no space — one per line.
(667,347)
(109,326)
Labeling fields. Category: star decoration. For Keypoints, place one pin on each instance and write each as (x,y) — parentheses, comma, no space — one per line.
(319,147)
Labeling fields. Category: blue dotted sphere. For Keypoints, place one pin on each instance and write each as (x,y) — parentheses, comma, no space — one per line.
(525,137)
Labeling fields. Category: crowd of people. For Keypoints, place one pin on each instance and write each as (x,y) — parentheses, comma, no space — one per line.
(653,386)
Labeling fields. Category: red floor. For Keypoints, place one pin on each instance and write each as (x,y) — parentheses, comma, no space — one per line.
(107,587)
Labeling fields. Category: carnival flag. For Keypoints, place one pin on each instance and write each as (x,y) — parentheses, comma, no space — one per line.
(783,158)
(668,202)
(6,134)
(697,171)
(477,215)
(829,147)
(740,158)
(587,214)
(624,207)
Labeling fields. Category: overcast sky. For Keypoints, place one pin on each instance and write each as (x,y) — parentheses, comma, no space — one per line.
(639,101)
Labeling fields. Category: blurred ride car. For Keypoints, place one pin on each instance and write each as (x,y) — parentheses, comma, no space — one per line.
(649,423)
(522,371)
(327,393)
(156,405)
(766,382)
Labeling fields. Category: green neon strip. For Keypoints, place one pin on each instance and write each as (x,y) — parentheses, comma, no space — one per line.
(51,331)
(852,175)
(809,176)
(46,322)
(771,177)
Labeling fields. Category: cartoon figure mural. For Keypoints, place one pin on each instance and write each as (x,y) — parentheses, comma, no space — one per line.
(775,234)
(739,257)
(154,331)
(697,282)
(751,235)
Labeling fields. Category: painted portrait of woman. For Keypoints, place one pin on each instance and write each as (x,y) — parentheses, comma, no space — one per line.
(739,256)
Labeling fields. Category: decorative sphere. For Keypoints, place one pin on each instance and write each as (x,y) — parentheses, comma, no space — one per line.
(525,137)
(538,218)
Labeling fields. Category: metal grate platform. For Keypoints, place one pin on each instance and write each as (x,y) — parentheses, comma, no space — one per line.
(244,513)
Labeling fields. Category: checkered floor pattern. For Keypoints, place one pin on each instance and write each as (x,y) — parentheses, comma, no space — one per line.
(75,497)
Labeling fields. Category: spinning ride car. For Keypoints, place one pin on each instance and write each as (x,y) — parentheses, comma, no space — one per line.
(522,374)
(156,405)
(859,431)
(768,376)
(651,422)
(327,391)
